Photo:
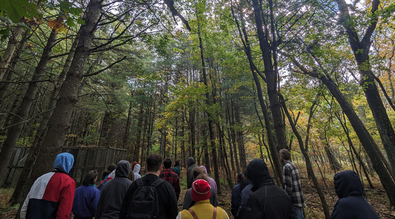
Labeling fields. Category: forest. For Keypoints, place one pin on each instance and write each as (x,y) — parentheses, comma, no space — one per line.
(223,81)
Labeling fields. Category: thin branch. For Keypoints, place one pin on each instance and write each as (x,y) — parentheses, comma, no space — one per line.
(100,71)
(22,82)
(385,92)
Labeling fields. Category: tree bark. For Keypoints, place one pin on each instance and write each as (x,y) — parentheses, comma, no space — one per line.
(9,51)
(361,50)
(271,73)
(209,117)
(271,139)
(137,145)
(381,166)
(127,127)
(309,166)
(23,110)
(19,194)
(60,119)
(10,71)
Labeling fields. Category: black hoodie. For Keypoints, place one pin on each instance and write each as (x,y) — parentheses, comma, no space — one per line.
(351,203)
(114,191)
(191,165)
(267,199)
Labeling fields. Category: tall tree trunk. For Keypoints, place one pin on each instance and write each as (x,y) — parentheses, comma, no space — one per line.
(10,71)
(240,139)
(233,135)
(9,51)
(271,71)
(60,119)
(227,119)
(145,132)
(379,162)
(271,139)
(137,146)
(353,151)
(209,117)
(192,132)
(151,127)
(309,166)
(23,110)
(182,137)
(361,50)
(127,127)
(105,127)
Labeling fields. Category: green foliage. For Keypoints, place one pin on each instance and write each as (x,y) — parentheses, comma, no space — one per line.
(16,9)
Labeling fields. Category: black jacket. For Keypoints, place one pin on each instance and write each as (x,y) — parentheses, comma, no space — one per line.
(351,203)
(191,165)
(245,195)
(168,204)
(267,199)
(235,200)
(113,192)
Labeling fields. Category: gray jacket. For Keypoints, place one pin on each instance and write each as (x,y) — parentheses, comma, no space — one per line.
(114,191)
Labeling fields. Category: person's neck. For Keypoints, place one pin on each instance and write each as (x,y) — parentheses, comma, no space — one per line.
(154,173)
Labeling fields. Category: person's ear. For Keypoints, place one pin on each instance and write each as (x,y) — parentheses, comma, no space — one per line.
(160,168)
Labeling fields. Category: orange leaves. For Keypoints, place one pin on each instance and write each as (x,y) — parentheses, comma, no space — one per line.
(34,21)
(56,24)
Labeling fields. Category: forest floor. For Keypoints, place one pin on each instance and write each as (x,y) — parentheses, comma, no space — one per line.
(376,197)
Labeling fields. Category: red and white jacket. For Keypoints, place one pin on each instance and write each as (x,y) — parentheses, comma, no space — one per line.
(51,197)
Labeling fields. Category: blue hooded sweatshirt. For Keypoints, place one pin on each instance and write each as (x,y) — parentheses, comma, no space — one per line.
(64,162)
(351,203)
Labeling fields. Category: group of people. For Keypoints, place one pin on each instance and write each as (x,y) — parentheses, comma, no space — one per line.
(256,195)
(125,194)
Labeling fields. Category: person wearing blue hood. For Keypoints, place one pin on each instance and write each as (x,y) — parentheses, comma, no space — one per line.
(112,194)
(351,203)
(267,199)
(52,194)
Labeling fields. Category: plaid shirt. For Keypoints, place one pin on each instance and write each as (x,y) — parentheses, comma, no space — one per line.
(172,178)
(292,184)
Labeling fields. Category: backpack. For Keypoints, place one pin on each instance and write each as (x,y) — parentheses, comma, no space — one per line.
(144,203)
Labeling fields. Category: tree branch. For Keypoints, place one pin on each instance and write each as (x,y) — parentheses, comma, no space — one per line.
(385,93)
(100,71)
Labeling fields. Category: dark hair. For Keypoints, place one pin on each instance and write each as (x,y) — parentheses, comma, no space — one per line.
(153,162)
(90,178)
(285,154)
(167,163)
(240,177)
(109,170)
(197,171)
(112,167)
(243,182)
(176,163)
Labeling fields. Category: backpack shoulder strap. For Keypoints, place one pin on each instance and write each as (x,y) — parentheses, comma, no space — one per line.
(193,214)
(139,182)
(157,182)
(215,213)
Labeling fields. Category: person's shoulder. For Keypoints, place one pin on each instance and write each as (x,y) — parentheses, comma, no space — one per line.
(63,178)
(185,214)
(222,213)
(237,186)
(165,184)
(174,174)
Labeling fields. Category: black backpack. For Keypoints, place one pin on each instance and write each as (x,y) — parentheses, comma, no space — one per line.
(144,203)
